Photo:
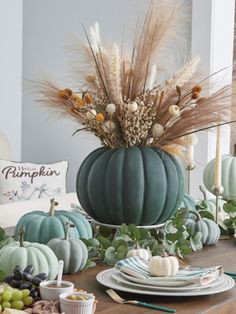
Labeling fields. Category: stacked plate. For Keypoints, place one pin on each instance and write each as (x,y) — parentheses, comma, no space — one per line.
(190,282)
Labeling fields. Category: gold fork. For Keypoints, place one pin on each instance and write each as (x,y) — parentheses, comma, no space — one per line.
(118,299)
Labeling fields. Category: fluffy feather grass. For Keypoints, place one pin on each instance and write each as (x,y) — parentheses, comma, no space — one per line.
(122,101)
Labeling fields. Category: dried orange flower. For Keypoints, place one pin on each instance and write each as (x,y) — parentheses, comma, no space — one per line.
(62,94)
(68,91)
(78,102)
(197,89)
(195,95)
(88,99)
(100,117)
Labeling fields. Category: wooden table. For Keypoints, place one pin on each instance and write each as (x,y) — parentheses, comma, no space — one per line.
(224,253)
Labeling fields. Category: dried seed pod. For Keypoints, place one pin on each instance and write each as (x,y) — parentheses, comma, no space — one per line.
(157,130)
(132,106)
(91,114)
(109,126)
(111,108)
(174,110)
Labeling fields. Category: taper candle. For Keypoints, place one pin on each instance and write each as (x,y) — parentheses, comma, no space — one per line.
(218,166)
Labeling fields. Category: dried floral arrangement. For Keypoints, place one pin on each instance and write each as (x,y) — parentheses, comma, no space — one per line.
(121,99)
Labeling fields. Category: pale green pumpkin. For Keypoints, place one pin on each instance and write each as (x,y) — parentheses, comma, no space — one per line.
(42,227)
(187,202)
(27,253)
(73,252)
(209,229)
(228,176)
(210,205)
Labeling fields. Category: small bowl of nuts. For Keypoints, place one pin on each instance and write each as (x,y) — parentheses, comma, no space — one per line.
(77,302)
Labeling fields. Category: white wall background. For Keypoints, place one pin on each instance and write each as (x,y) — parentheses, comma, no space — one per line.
(47,28)
(10,73)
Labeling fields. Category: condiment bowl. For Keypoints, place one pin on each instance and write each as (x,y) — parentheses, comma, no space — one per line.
(50,291)
(76,306)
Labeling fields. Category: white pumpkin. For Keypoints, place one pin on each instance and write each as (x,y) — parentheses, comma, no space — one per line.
(163,266)
(143,253)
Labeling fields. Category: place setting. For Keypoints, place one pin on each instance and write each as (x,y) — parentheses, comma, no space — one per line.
(136,275)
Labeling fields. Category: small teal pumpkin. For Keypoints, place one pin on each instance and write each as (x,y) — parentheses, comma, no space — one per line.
(73,252)
(228,176)
(42,227)
(209,229)
(210,205)
(139,185)
(24,253)
(187,202)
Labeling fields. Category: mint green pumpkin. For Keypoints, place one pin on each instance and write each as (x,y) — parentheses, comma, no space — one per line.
(210,205)
(42,227)
(187,202)
(27,253)
(139,185)
(73,252)
(228,176)
(209,229)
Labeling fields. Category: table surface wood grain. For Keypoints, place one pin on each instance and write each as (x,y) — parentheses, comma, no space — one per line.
(223,253)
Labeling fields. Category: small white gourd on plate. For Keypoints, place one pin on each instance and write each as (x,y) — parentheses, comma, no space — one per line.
(164,265)
(143,253)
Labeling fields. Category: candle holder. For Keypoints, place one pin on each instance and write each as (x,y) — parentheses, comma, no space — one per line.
(217,190)
(189,167)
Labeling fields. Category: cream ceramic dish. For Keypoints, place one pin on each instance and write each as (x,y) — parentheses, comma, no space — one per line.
(52,293)
(77,306)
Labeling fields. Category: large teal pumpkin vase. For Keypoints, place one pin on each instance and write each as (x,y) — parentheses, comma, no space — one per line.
(139,185)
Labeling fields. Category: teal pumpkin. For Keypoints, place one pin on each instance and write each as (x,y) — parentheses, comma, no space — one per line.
(228,176)
(209,229)
(42,227)
(73,252)
(24,253)
(210,206)
(139,185)
(187,202)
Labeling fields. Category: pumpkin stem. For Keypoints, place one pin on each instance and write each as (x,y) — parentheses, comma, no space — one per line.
(67,226)
(164,254)
(203,192)
(196,214)
(53,204)
(21,235)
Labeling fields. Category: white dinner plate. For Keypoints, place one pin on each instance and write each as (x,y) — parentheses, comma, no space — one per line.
(120,278)
(157,281)
(105,278)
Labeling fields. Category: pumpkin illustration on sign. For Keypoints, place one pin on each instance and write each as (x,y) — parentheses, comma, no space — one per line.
(42,227)
(73,252)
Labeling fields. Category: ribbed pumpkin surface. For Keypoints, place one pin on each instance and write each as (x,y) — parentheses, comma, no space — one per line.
(41,227)
(136,185)
(228,176)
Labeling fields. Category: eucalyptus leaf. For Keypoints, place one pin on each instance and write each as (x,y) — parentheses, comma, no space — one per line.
(134,232)
(124,229)
(121,252)
(110,256)
(117,243)
(104,242)
(206,214)
(2,234)
(144,234)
